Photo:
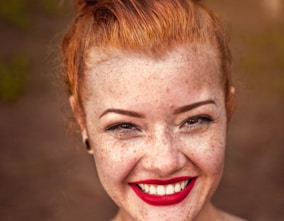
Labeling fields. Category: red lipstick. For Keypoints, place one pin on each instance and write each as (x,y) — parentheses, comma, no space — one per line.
(177,190)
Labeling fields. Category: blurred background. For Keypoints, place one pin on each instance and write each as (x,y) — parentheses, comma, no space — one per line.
(45,172)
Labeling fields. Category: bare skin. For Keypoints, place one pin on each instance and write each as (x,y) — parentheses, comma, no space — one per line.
(157,119)
(216,214)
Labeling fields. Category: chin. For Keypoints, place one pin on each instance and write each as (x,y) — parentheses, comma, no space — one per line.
(188,210)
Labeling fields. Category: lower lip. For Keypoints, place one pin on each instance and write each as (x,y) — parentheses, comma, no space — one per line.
(165,200)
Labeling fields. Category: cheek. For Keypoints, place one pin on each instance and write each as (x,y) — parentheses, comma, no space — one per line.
(214,160)
(208,152)
(114,160)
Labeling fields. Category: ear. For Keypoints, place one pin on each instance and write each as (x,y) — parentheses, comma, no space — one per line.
(231,104)
(77,112)
(80,119)
(86,142)
(233,90)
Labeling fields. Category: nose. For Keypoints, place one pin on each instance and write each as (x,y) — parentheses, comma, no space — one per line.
(163,155)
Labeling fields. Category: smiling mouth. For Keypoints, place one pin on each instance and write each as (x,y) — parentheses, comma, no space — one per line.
(164,192)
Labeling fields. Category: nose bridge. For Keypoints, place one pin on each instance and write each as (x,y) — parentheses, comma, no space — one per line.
(163,156)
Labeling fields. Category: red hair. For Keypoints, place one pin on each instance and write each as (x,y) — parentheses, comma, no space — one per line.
(149,27)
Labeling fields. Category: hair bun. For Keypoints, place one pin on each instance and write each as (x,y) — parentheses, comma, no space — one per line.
(91,2)
(79,4)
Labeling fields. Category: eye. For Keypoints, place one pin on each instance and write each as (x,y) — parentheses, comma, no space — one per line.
(196,123)
(124,130)
(198,120)
(121,126)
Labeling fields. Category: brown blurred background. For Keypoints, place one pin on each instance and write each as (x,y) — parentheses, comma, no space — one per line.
(45,172)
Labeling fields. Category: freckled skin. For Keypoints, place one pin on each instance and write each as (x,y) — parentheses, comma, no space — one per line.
(160,146)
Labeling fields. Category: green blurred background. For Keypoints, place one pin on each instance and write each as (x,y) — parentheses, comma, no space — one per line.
(45,172)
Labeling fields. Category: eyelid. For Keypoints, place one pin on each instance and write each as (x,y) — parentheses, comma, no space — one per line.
(123,130)
(206,119)
(117,126)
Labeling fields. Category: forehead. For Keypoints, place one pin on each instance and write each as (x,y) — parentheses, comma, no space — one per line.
(98,55)
(122,73)
(101,60)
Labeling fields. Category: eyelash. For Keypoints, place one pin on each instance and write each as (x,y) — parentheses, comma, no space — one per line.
(197,122)
(123,127)
(190,124)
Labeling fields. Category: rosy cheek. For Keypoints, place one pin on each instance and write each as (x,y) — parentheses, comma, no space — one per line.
(215,158)
(206,152)
(115,159)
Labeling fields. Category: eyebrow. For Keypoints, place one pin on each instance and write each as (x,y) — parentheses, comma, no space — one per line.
(123,112)
(139,115)
(193,106)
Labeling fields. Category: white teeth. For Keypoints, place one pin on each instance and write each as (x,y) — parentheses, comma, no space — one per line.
(183,185)
(146,188)
(177,187)
(153,190)
(162,190)
(170,190)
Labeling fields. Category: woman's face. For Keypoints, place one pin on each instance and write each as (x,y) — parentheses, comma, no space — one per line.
(158,131)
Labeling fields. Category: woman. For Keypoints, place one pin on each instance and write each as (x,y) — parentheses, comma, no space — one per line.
(151,91)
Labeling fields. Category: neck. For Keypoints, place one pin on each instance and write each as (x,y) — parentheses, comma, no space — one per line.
(121,216)
(209,212)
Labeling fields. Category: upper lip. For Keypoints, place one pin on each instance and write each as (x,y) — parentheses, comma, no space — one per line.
(163,182)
